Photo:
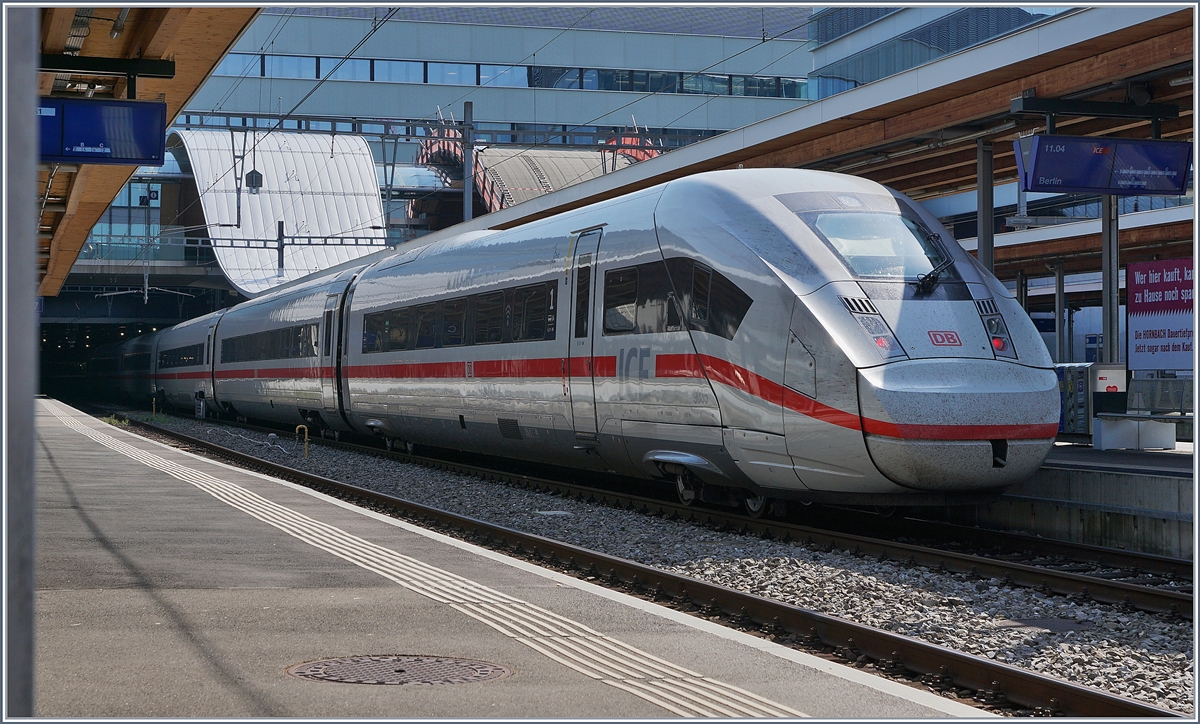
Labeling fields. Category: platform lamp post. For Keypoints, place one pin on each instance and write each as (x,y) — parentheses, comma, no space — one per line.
(1109,279)
(468,142)
(985,213)
(20,352)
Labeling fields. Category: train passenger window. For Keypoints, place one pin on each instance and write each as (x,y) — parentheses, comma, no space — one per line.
(489,318)
(328,332)
(374,332)
(713,303)
(308,340)
(583,295)
(529,313)
(727,307)
(426,323)
(674,318)
(454,318)
(701,280)
(397,332)
(655,308)
(188,356)
(620,301)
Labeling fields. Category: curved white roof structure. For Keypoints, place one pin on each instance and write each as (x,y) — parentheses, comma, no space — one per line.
(324,188)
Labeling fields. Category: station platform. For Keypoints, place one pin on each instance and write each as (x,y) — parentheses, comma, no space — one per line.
(1138,500)
(174,586)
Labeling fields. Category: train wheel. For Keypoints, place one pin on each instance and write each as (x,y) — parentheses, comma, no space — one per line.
(756,505)
(685,488)
(388,443)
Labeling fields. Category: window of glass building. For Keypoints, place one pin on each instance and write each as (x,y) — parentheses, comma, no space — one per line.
(617,80)
(948,34)
(705,83)
(745,85)
(793,88)
(504,76)
(399,71)
(659,82)
(352,69)
(291,66)
(240,64)
(542,76)
(452,73)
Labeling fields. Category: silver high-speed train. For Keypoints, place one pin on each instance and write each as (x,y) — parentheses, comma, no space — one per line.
(750,335)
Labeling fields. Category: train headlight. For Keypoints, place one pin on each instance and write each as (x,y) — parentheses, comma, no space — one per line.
(998,332)
(877,329)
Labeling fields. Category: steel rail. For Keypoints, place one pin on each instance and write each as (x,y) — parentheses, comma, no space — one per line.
(983,537)
(1047,580)
(941,668)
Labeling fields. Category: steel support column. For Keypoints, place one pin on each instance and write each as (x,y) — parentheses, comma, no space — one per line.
(20,351)
(1023,290)
(468,161)
(1060,306)
(1109,282)
(279,246)
(985,214)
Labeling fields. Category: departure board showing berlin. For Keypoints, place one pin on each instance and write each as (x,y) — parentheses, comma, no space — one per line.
(1118,166)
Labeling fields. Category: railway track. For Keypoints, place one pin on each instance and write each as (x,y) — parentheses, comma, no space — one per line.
(991,684)
(1053,567)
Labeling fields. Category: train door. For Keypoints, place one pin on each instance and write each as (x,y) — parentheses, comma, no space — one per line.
(327,365)
(206,387)
(579,364)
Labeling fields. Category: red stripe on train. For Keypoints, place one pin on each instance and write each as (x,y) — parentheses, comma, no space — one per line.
(667,366)
(747,381)
(203,375)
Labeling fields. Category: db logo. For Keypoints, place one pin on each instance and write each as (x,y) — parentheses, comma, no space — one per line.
(945,339)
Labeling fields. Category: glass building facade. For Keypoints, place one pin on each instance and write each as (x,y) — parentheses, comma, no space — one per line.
(246,65)
(948,34)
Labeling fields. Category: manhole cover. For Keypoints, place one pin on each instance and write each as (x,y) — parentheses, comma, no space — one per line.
(399,670)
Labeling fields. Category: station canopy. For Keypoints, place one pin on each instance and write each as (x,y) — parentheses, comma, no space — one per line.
(324,189)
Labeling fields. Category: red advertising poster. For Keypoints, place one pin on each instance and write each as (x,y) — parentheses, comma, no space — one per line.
(1158,312)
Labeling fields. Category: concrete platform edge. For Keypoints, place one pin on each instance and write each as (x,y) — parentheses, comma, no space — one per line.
(916,696)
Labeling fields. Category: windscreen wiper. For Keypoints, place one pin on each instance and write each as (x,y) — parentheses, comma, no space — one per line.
(926,282)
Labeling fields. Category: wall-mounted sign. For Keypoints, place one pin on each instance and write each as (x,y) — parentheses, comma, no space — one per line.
(1118,166)
(1158,312)
(92,130)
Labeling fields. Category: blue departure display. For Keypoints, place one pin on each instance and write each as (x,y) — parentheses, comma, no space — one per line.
(1117,166)
(102,131)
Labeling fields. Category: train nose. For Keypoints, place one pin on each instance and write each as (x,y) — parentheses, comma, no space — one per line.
(961,424)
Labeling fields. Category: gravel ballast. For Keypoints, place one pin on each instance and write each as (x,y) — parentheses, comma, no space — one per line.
(1131,653)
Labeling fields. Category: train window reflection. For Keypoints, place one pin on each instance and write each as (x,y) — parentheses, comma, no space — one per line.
(189,356)
(295,342)
(426,317)
(583,295)
(397,335)
(878,245)
(489,318)
(454,318)
(701,279)
(529,313)
(620,301)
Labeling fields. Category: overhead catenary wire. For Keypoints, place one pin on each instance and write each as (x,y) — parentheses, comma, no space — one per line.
(270,41)
(379,23)
(643,96)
